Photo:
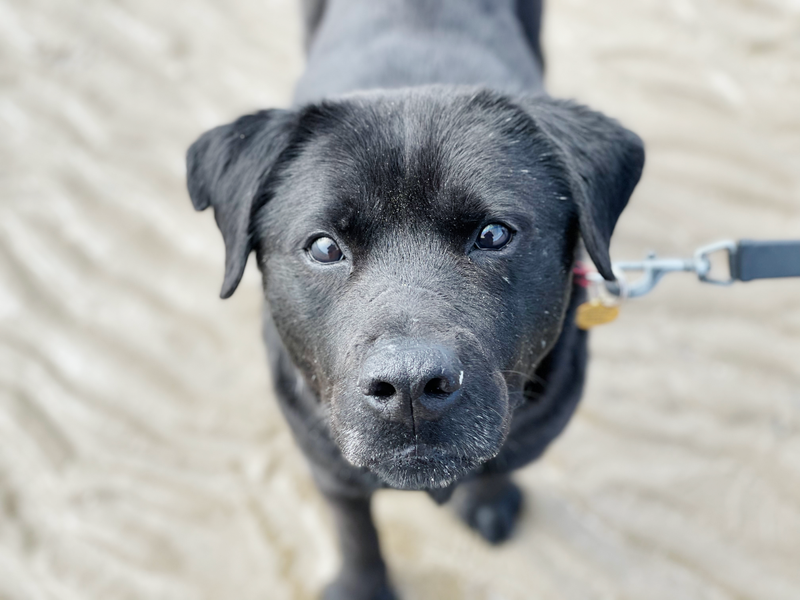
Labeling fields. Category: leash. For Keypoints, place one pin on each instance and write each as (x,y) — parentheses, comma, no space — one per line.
(747,260)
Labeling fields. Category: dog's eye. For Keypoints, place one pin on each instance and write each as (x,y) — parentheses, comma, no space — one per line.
(325,250)
(493,237)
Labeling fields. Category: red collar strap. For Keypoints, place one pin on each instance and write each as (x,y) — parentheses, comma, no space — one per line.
(579,273)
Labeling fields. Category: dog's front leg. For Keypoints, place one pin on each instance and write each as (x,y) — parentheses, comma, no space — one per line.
(363,572)
(490,504)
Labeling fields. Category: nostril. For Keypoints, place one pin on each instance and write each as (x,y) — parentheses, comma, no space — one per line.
(381,389)
(437,387)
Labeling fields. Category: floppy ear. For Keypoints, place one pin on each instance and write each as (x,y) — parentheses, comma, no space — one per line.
(226,168)
(603,162)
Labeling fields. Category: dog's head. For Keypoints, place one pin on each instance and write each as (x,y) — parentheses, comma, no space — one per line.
(417,248)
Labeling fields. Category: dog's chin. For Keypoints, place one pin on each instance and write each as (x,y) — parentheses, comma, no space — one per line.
(422,467)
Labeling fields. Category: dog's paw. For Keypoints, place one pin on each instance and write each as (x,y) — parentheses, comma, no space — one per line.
(491,512)
(361,586)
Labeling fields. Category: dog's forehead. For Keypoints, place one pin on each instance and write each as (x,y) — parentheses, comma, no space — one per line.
(417,157)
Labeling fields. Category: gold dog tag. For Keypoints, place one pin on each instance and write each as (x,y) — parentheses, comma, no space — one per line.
(595,312)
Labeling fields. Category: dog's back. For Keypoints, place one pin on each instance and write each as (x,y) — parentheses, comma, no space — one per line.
(368,44)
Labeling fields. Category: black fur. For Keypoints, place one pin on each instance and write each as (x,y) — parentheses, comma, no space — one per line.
(419,122)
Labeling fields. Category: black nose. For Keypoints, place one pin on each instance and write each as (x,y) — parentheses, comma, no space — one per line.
(407,381)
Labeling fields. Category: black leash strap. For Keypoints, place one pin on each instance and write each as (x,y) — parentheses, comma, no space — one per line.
(753,259)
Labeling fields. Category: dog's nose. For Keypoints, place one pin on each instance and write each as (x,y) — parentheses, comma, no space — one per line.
(411,381)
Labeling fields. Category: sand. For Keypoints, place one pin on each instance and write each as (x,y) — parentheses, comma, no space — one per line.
(141,452)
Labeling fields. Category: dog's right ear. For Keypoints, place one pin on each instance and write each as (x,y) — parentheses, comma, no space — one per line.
(226,168)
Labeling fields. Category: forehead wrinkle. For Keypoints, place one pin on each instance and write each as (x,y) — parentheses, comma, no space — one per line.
(380,175)
(354,156)
(417,160)
(441,169)
(406,160)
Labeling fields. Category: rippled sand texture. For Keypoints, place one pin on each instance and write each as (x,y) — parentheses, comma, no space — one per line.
(141,455)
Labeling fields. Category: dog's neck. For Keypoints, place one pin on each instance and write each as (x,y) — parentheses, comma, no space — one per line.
(364,44)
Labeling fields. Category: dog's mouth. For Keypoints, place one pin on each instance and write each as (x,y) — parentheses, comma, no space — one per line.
(417,438)
(422,466)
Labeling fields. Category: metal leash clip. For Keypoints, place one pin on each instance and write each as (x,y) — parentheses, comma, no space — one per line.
(747,260)
(654,268)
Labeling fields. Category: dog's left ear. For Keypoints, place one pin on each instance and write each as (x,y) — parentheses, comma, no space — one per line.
(226,168)
(603,162)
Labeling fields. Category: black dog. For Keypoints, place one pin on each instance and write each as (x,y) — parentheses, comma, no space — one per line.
(416,220)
